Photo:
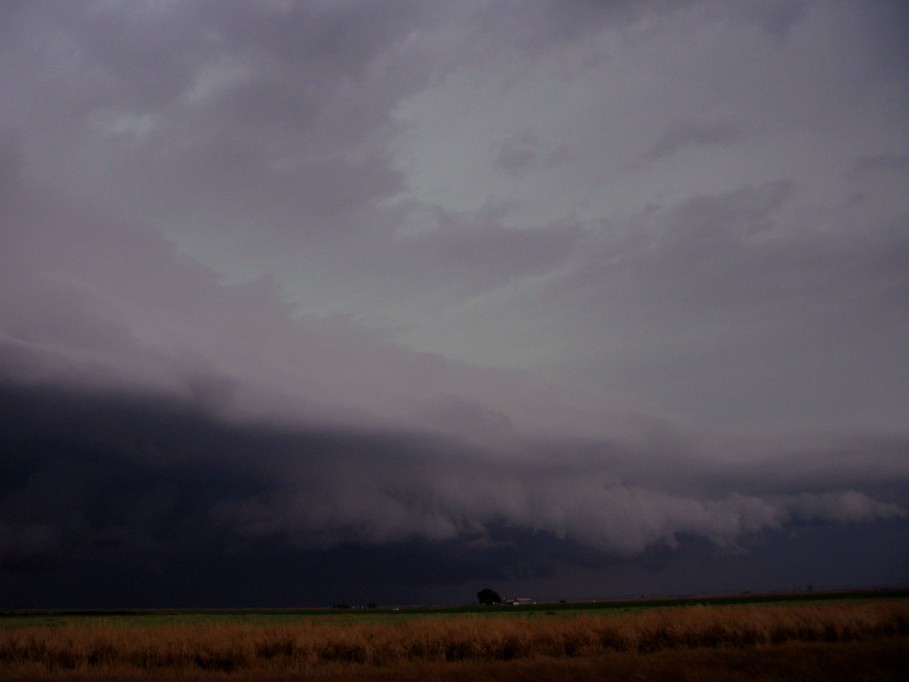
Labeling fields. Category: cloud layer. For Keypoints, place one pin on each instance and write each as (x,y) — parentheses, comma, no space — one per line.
(516,293)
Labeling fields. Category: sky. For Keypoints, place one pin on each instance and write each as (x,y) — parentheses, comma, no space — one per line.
(367,301)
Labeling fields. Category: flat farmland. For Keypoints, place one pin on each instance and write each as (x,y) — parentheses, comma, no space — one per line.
(804,637)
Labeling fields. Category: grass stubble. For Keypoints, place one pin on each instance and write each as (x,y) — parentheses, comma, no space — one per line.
(843,641)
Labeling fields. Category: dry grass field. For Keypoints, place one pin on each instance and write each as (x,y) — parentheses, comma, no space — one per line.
(856,640)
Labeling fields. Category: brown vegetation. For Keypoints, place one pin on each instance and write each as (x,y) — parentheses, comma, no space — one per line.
(653,642)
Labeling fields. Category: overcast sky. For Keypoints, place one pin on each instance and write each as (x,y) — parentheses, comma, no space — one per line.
(305,302)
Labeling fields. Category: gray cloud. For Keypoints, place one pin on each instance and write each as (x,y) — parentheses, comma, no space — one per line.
(616,519)
(694,135)
(680,287)
(517,153)
(774,18)
(881,162)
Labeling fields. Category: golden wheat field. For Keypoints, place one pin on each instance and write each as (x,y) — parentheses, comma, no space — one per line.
(866,640)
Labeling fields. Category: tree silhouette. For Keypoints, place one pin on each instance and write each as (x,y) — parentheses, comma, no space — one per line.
(488,596)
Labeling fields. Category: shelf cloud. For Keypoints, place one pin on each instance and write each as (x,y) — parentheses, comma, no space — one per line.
(306,301)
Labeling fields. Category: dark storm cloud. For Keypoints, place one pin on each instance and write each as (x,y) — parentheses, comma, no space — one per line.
(98,480)
(637,368)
